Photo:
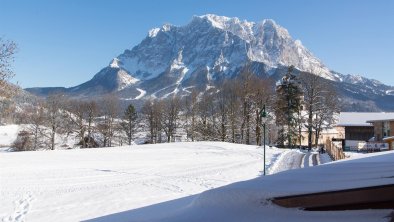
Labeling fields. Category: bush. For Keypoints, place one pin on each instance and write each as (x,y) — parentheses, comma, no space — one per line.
(23,142)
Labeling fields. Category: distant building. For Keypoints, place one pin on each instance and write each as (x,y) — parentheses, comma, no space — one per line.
(384,131)
(353,130)
(357,128)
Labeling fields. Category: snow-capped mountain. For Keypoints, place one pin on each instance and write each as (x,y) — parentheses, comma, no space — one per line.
(172,59)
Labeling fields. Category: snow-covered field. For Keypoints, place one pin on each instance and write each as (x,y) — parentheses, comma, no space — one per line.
(8,134)
(247,200)
(202,181)
(75,185)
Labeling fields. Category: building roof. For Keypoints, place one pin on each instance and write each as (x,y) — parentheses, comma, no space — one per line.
(381,120)
(362,119)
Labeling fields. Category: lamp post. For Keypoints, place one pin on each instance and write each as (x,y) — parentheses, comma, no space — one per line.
(263,115)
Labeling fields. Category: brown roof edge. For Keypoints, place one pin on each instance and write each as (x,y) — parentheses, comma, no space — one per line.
(375,197)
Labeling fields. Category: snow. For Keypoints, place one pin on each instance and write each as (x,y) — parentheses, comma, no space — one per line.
(287,160)
(114,63)
(201,181)
(8,134)
(354,155)
(153,32)
(324,158)
(247,200)
(82,184)
(142,94)
(134,66)
(390,92)
(125,80)
(360,118)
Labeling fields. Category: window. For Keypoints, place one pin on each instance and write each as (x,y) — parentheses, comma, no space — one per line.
(386,129)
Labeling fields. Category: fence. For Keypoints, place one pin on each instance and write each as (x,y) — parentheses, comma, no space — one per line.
(335,151)
(372,146)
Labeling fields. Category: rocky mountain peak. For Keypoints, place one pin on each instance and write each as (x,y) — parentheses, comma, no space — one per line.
(174,59)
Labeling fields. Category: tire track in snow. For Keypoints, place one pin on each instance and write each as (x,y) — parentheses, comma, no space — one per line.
(309,160)
(289,160)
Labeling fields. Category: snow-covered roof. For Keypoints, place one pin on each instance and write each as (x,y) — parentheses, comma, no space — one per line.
(361,119)
(388,138)
(381,120)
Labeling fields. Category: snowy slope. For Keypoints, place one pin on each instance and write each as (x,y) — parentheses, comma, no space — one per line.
(247,200)
(75,185)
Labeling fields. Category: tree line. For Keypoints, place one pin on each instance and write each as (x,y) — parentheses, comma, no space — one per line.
(228,112)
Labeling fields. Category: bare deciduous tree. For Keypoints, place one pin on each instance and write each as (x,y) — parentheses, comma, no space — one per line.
(7,51)
(109,110)
(54,110)
(321,103)
(152,114)
(191,106)
(171,109)
(34,115)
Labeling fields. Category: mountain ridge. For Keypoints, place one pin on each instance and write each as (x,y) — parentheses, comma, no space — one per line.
(172,59)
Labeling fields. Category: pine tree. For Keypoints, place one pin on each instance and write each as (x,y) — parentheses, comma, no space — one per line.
(129,123)
(288,105)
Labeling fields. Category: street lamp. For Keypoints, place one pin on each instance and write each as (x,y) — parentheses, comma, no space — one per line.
(263,115)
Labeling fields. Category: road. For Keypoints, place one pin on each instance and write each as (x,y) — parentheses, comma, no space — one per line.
(295,159)
(309,159)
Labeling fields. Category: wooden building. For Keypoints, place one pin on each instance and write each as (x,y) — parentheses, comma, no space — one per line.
(356,129)
(384,131)
(352,130)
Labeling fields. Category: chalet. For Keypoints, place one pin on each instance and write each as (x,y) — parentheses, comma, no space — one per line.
(356,129)
(384,131)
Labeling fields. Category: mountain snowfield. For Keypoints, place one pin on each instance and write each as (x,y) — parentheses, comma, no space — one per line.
(264,42)
(200,181)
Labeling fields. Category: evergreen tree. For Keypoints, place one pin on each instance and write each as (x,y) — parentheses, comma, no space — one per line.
(288,105)
(129,123)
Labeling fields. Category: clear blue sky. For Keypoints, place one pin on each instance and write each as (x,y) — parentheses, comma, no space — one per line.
(66,42)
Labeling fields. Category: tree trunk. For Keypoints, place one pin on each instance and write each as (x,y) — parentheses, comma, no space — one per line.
(53,133)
